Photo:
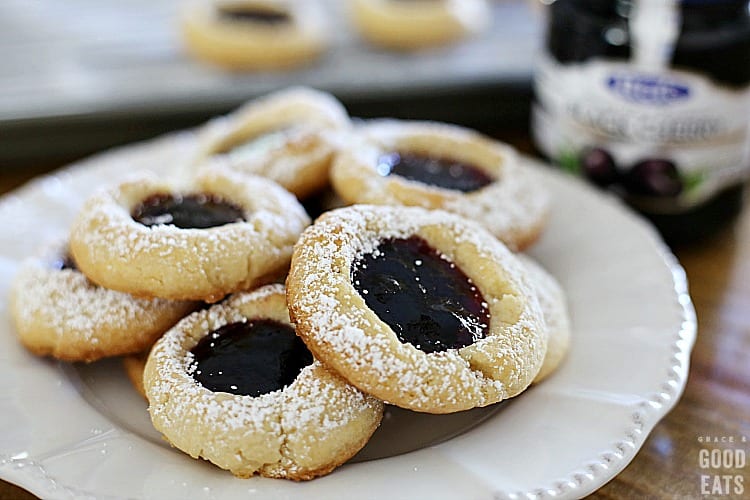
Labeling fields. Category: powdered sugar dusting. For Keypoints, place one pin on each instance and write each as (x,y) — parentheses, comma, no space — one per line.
(175,365)
(288,136)
(70,314)
(335,322)
(509,209)
(168,261)
(513,208)
(553,302)
(282,426)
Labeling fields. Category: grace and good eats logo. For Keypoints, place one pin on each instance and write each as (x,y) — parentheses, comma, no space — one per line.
(722,460)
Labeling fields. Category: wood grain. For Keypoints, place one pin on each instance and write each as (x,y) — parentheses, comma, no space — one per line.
(716,402)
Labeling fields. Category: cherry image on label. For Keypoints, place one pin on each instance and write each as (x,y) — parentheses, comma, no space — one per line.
(599,167)
(249,358)
(193,211)
(426,299)
(655,177)
(441,172)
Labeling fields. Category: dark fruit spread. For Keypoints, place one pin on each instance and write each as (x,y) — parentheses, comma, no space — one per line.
(435,171)
(426,299)
(599,167)
(654,177)
(249,359)
(254,14)
(65,262)
(197,211)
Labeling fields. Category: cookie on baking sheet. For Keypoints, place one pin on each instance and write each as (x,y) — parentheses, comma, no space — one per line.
(254,34)
(218,234)
(234,385)
(58,312)
(441,166)
(423,309)
(288,136)
(555,309)
(409,24)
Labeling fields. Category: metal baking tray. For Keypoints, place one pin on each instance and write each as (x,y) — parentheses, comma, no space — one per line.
(81,75)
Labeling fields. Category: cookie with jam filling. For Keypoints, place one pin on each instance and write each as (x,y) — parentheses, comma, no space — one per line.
(254,34)
(415,24)
(441,166)
(58,312)
(423,309)
(554,305)
(288,136)
(219,233)
(234,385)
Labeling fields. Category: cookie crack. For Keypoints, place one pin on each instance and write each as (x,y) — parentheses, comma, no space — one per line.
(202,264)
(248,257)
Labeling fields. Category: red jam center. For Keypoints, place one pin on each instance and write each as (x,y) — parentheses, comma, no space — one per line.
(425,298)
(435,171)
(250,358)
(193,211)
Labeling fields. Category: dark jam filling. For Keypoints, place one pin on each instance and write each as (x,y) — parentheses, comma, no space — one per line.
(442,172)
(425,299)
(196,211)
(250,359)
(254,14)
(65,262)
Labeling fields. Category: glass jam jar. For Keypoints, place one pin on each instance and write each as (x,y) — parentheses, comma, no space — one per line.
(651,99)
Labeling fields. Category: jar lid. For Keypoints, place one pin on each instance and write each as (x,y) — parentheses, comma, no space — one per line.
(713,2)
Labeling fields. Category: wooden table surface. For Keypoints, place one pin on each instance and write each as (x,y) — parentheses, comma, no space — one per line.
(714,412)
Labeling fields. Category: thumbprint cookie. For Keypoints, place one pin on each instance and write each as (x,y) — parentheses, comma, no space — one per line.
(441,166)
(58,312)
(219,233)
(413,24)
(289,137)
(422,309)
(555,309)
(254,34)
(234,385)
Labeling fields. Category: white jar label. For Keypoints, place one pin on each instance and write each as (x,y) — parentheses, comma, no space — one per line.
(638,115)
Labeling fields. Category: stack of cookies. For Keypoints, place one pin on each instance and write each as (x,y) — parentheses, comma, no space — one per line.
(268,345)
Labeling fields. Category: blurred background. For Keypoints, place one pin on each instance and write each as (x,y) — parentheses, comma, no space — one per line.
(83,75)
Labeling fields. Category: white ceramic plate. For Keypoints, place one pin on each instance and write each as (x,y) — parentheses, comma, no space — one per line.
(77,432)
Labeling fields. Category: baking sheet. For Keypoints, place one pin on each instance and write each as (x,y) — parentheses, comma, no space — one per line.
(70,67)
